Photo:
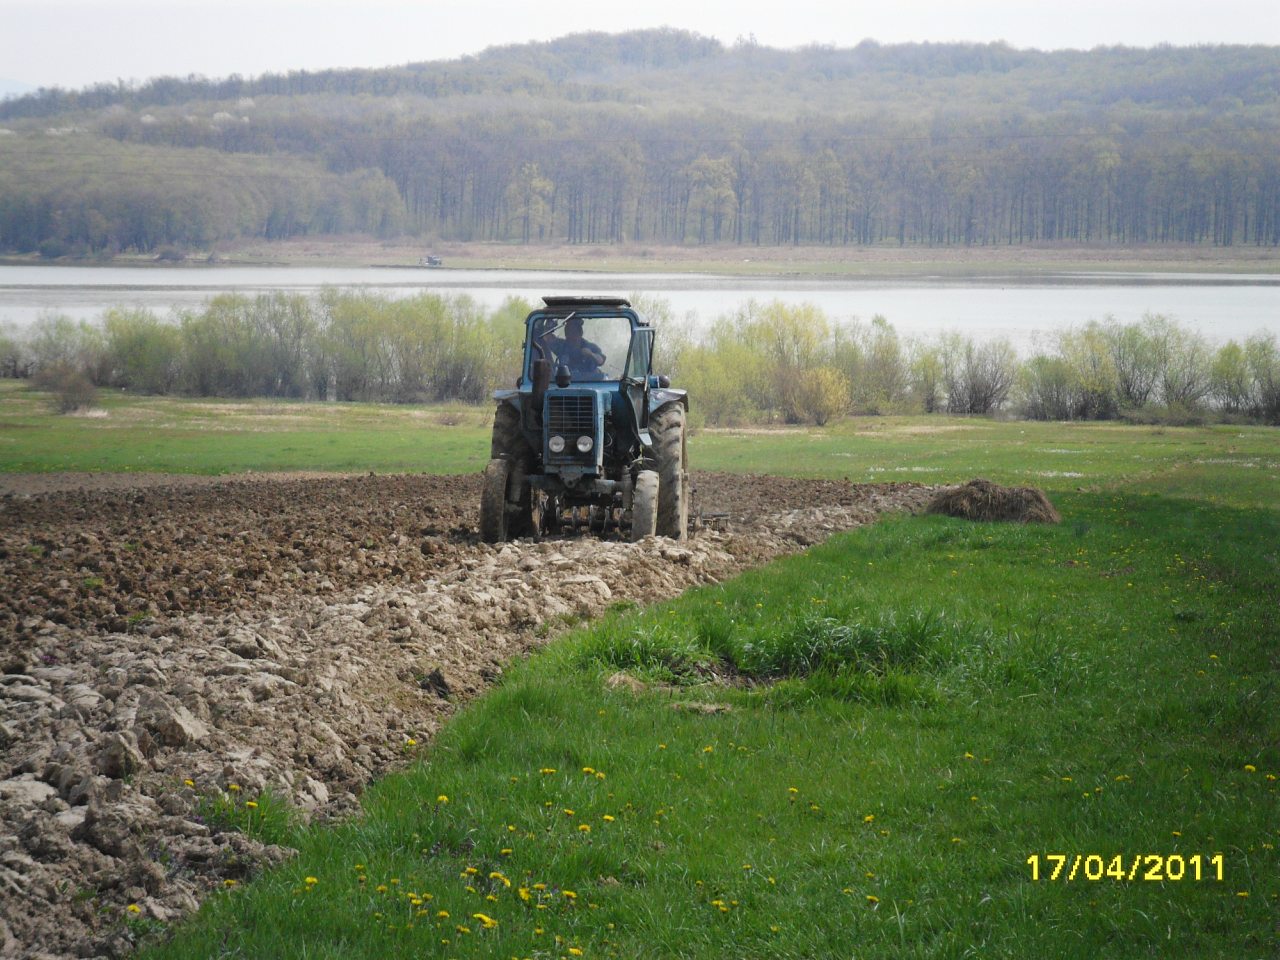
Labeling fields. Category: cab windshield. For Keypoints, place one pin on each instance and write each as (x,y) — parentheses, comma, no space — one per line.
(593,348)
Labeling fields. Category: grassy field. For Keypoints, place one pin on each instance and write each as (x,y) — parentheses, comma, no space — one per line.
(169,435)
(879,748)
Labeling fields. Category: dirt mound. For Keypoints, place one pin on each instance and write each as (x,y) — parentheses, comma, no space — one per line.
(984,500)
(160,644)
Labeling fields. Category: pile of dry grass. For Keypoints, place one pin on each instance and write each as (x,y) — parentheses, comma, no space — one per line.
(984,500)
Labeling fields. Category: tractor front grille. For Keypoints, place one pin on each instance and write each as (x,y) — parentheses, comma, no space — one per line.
(571,416)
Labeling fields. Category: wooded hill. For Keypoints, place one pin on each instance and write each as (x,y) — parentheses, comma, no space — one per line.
(666,137)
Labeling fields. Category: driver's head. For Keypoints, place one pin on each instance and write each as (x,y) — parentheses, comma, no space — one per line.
(573,328)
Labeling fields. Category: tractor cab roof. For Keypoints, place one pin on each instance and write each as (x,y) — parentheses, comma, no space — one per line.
(558,304)
(560,307)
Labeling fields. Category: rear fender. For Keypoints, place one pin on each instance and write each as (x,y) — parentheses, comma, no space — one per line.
(659,397)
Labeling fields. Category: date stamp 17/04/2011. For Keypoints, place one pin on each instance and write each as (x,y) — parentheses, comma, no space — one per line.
(1153,867)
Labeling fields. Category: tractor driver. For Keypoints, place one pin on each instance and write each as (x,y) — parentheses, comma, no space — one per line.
(581,356)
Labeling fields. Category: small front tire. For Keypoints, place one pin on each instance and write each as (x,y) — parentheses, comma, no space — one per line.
(644,505)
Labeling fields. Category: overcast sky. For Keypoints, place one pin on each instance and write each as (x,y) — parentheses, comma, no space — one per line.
(74,43)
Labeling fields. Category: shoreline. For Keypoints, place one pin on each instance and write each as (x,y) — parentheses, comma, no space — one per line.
(816,263)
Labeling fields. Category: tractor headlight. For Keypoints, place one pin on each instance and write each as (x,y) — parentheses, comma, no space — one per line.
(585,444)
(556,444)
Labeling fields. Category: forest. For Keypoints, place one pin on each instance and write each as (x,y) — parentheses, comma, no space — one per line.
(665,137)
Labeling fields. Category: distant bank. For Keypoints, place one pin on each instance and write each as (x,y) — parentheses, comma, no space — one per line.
(853,262)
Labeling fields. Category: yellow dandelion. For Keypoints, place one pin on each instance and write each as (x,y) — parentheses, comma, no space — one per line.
(189,782)
(310,881)
(505,851)
(568,812)
(869,818)
(1249,768)
(600,775)
(524,894)
(607,818)
(228,883)
(442,914)
(380,888)
(584,828)
(233,787)
(1242,893)
(539,886)
(251,804)
(133,908)
(442,799)
(568,894)
(547,771)
(872,898)
(488,922)
(575,952)
(708,749)
(588,770)
(662,746)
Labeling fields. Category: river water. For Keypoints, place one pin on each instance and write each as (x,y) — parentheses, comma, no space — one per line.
(1219,306)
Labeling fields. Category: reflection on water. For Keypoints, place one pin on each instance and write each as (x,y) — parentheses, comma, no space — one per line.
(1221,306)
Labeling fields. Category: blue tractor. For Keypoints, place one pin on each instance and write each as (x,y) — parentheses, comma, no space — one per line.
(590,437)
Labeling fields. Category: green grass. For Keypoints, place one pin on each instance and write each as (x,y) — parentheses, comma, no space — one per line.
(852,752)
(1054,456)
(170,435)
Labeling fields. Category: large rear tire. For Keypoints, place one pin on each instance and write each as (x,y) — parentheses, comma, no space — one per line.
(493,501)
(644,505)
(508,443)
(508,439)
(668,431)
